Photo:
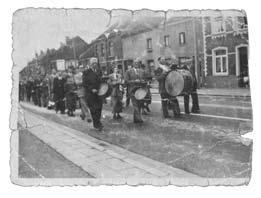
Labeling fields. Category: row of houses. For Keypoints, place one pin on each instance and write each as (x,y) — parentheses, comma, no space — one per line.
(215,47)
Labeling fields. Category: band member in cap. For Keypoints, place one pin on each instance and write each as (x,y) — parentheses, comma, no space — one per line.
(59,93)
(85,113)
(115,80)
(91,83)
(132,78)
(166,99)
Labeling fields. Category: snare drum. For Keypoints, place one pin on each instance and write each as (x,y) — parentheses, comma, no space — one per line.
(179,82)
(140,93)
(104,90)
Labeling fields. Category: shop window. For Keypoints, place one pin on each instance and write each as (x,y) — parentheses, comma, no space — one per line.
(220,61)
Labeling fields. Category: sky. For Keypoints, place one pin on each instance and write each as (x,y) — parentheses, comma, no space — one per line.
(38,29)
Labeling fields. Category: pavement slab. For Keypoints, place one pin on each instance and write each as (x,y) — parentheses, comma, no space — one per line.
(98,158)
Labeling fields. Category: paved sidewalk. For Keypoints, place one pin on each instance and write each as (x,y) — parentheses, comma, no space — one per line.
(101,159)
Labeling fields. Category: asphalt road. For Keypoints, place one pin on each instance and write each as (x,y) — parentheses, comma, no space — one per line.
(206,146)
(38,160)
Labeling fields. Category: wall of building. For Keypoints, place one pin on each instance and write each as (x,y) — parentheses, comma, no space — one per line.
(230,40)
(135,46)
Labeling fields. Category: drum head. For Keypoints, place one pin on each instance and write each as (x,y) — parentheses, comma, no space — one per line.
(104,87)
(140,93)
(174,83)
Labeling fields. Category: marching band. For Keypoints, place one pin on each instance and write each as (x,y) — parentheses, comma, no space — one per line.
(88,86)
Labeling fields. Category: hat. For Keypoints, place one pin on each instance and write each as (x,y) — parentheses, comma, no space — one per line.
(93,60)
(137,60)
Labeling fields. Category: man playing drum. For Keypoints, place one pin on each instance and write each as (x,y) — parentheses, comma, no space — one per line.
(115,80)
(133,78)
(91,83)
(161,73)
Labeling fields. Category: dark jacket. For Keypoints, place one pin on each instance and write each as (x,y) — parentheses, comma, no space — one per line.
(91,80)
(131,76)
(58,88)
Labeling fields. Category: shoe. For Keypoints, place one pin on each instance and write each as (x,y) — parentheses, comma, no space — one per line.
(82,117)
(167,117)
(187,112)
(89,120)
(119,116)
(195,111)
(144,113)
(138,121)
(177,115)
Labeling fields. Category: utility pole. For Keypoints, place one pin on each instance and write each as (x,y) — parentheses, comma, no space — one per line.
(195,49)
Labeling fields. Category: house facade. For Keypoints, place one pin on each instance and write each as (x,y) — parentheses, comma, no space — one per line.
(180,38)
(226,50)
(107,48)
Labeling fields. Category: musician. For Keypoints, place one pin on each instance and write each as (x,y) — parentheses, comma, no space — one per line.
(70,88)
(147,100)
(85,113)
(45,91)
(134,77)
(166,100)
(91,83)
(194,94)
(59,93)
(115,80)
(50,84)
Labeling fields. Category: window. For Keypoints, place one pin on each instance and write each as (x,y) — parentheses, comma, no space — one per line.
(182,39)
(111,49)
(220,65)
(218,25)
(240,23)
(149,44)
(102,50)
(166,40)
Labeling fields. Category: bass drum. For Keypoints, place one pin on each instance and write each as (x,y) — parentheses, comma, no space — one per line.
(179,82)
(104,90)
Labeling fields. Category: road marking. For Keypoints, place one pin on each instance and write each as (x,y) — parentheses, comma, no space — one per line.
(222,117)
(31,167)
(214,105)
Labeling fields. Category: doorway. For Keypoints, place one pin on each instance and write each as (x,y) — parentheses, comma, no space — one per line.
(242,65)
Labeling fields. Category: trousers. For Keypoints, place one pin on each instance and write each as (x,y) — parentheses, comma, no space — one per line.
(171,102)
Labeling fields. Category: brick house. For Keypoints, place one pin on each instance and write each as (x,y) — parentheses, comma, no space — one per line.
(107,48)
(226,50)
